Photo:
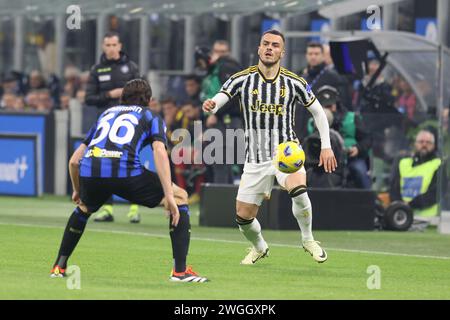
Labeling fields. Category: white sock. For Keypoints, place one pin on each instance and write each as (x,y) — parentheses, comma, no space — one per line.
(302,210)
(252,231)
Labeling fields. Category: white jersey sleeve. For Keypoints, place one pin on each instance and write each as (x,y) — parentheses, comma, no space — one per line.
(321,121)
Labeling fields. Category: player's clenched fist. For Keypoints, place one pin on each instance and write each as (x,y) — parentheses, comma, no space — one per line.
(209,105)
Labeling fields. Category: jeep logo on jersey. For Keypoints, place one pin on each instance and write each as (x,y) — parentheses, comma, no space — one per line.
(277,109)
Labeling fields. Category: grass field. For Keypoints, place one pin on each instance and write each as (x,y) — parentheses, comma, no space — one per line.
(124,261)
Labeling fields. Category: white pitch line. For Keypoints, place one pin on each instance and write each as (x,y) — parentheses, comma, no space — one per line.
(156,235)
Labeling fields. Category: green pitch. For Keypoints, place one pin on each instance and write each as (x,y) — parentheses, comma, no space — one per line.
(123,261)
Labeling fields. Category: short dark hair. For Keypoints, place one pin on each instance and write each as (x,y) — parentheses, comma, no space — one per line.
(275,32)
(193,77)
(111,34)
(136,92)
(222,42)
(168,99)
(191,103)
(314,44)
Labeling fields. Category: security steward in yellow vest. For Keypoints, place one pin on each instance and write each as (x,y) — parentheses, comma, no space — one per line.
(414,180)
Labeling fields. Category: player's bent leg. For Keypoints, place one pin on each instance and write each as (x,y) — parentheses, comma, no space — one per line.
(251,229)
(180,238)
(302,210)
(146,190)
(72,234)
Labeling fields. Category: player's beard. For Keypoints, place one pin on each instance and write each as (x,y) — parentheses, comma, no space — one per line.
(269,64)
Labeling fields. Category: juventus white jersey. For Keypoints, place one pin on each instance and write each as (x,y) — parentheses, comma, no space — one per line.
(268,108)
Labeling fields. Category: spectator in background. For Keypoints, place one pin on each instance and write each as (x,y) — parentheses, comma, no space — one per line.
(191,175)
(445,120)
(174,119)
(20,104)
(72,81)
(318,74)
(220,67)
(64,101)
(378,98)
(382,119)
(155,106)
(7,101)
(104,88)
(37,81)
(357,140)
(406,102)
(10,83)
(39,100)
(108,77)
(414,179)
(45,102)
(192,85)
(316,176)
(193,113)
(32,100)
(81,93)
(11,102)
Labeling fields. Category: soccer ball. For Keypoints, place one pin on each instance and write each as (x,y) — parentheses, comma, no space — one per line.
(289,157)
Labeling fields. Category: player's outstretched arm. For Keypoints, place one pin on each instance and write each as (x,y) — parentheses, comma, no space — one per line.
(163,169)
(217,102)
(74,171)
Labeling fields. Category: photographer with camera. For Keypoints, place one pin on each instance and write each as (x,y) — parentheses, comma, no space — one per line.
(219,67)
(356,140)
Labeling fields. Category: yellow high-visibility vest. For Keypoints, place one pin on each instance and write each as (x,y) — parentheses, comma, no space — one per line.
(416,180)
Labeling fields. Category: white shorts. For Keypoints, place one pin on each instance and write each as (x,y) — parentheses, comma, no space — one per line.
(257,181)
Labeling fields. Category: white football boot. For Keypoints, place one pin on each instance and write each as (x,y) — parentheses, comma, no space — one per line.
(254,255)
(315,250)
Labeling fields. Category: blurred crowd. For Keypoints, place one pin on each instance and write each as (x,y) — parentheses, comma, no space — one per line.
(33,92)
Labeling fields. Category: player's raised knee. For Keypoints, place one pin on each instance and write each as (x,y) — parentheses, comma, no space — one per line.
(298,190)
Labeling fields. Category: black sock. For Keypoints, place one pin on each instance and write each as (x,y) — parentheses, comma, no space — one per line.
(180,237)
(72,234)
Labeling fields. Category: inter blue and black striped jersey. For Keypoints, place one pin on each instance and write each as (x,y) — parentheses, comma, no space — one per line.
(116,139)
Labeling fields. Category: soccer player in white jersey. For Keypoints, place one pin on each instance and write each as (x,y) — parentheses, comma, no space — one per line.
(268,95)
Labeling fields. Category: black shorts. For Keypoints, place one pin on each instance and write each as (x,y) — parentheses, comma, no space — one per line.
(144,189)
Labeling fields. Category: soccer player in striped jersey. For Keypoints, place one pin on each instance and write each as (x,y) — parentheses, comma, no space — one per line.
(108,163)
(268,95)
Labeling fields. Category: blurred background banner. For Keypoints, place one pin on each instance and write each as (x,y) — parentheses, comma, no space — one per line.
(19,165)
